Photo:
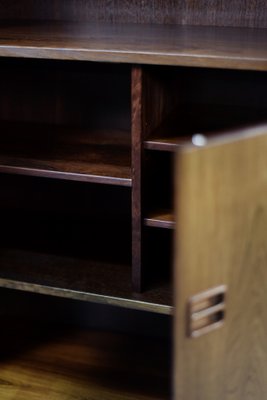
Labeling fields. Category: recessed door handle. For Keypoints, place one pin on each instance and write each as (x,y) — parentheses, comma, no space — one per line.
(206,311)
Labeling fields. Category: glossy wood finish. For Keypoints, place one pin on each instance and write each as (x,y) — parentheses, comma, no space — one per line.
(187,12)
(161,219)
(66,363)
(221,235)
(66,153)
(235,48)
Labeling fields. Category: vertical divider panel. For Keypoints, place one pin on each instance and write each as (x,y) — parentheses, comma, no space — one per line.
(137,160)
(152,101)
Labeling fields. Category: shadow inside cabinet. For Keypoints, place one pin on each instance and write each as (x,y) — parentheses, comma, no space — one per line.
(66,348)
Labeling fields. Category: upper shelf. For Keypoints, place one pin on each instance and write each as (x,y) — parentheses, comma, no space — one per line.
(237,48)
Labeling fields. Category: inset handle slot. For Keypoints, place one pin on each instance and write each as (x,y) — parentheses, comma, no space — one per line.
(206,311)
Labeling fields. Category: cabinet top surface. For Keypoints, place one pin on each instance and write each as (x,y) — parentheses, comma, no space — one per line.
(216,47)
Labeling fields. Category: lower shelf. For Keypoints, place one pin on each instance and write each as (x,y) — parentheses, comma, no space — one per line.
(67,364)
(79,279)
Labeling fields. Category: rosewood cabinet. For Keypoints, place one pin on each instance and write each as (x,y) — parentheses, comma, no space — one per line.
(133,170)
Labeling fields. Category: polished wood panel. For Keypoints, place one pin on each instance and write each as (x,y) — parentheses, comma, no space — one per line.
(66,153)
(237,48)
(188,12)
(66,363)
(160,219)
(221,220)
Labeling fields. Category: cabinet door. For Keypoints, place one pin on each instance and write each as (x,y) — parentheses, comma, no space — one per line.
(220,278)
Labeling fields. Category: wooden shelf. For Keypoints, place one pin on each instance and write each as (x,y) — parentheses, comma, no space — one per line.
(200,46)
(163,219)
(67,363)
(66,153)
(166,143)
(80,279)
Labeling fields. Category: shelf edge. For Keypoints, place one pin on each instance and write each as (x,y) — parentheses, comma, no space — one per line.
(83,296)
(71,176)
(154,223)
(128,56)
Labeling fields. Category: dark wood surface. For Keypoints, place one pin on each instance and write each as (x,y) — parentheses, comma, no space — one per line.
(137,165)
(188,12)
(66,153)
(81,279)
(160,219)
(151,103)
(238,48)
(66,363)
(74,94)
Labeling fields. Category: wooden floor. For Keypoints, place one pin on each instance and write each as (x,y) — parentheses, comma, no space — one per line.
(72,364)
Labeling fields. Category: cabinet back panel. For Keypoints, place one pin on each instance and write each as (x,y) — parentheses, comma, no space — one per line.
(211,86)
(191,12)
(63,197)
(67,218)
(207,101)
(75,94)
(158,181)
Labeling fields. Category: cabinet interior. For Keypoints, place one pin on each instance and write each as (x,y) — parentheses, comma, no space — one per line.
(68,153)
(66,120)
(96,98)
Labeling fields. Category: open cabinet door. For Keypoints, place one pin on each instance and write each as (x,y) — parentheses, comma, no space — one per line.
(220,278)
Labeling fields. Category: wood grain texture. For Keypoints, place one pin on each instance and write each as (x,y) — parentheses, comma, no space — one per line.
(137,165)
(68,364)
(66,153)
(221,215)
(235,48)
(189,12)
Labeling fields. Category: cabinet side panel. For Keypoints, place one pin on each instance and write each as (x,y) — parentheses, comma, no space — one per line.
(221,240)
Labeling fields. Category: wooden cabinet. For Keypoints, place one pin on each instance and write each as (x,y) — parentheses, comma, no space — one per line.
(133,174)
